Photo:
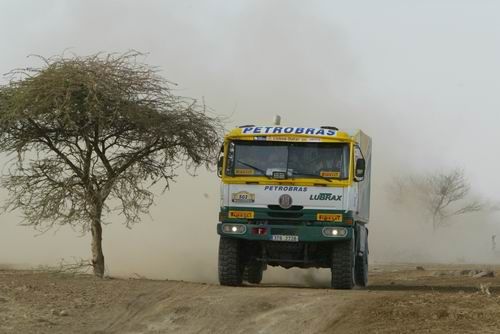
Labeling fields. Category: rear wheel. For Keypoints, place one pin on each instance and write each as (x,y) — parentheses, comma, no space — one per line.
(342,264)
(361,268)
(253,272)
(230,264)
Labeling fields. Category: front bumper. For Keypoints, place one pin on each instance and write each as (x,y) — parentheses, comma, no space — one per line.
(297,233)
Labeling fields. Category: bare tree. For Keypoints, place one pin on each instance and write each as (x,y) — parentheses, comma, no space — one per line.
(443,194)
(446,196)
(84,132)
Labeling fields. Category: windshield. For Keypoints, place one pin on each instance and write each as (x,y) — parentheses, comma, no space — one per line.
(316,160)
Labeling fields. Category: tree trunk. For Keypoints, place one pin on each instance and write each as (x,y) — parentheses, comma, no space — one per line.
(97,254)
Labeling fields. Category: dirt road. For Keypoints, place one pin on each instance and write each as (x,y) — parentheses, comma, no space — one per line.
(400,299)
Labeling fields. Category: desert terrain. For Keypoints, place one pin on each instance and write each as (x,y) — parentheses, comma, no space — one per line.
(400,299)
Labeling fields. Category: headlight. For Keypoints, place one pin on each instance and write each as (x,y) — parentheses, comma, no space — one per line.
(334,232)
(234,228)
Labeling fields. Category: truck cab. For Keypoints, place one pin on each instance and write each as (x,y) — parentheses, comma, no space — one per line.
(294,197)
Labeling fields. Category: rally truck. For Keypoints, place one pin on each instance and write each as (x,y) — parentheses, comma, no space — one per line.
(294,197)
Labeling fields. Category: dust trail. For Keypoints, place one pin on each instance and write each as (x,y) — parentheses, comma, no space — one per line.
(425,91)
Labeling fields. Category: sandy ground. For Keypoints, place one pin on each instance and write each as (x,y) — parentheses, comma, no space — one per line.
(400,299)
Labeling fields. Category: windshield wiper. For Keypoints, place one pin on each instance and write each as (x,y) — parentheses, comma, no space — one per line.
(254,167)
(311,174)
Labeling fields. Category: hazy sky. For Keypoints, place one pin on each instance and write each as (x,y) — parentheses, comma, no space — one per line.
(421,77)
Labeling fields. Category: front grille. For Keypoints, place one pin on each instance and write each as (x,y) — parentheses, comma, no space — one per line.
(285,214)
(275,211)
(284,222)
(279,208)
(275,222)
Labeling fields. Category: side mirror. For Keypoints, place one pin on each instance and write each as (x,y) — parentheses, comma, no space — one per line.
(220,163)
(360,169)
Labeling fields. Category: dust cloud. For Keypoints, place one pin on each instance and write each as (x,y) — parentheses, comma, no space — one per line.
(420,78)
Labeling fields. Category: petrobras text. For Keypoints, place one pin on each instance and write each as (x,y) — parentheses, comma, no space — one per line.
(288,130)
(285,188)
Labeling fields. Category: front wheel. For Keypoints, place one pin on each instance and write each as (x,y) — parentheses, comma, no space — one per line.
(342,264)
(230,264)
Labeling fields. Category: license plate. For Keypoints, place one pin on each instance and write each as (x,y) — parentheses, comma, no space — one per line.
(280,237)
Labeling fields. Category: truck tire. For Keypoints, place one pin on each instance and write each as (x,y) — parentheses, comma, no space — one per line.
(361,268)
(253,272)
(342,264)
(230,266)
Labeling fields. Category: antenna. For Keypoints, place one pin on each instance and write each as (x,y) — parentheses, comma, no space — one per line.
(277,120)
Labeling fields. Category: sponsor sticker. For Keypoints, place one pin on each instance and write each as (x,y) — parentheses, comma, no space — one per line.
(243,197)
(244,171)
(329,174)
(329,217)
(325,197)
(241,214)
